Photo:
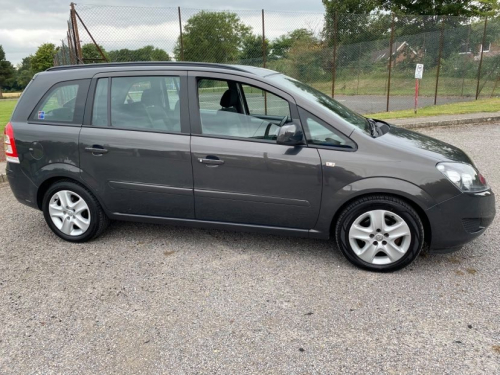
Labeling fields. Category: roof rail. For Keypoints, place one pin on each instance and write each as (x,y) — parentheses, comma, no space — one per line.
(146,63)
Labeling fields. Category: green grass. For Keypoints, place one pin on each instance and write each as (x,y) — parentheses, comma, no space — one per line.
(6,108)
(483,105)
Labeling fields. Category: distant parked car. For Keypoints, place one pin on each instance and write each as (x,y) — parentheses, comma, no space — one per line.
(235,147)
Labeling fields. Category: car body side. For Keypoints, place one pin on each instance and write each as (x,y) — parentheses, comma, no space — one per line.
(388,164)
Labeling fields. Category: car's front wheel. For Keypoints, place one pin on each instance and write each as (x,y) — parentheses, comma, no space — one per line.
(72,212)
(380,233)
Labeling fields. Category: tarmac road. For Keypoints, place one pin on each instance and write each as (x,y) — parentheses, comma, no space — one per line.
(150,299)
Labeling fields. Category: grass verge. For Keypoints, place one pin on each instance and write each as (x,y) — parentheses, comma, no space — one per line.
(483,105)
(6,108)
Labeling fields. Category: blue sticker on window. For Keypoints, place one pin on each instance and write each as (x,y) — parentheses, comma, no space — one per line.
(41,115)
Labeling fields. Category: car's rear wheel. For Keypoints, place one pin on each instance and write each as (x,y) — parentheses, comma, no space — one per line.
(72,212)
(380,233)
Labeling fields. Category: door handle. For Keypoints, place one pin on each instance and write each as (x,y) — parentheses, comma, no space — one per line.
(211,160)
(96,150)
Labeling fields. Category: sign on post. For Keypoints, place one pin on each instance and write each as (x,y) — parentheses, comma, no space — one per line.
(419,72)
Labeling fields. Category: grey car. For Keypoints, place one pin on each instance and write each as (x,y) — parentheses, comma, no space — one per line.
(236,148)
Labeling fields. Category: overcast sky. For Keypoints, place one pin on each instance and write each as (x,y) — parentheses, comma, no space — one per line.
(25,24)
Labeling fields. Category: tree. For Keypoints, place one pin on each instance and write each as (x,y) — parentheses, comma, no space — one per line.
(281,46)
(43,58)
(6,70)
(90,53)
(252,49)
(24,73)
(467,8)
(212,37)
(146,53)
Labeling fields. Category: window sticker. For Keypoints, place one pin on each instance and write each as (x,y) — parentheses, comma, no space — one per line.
(41,115)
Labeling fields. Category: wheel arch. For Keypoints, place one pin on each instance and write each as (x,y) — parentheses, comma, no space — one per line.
(413,204)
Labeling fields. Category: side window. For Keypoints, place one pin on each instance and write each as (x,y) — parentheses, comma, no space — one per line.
(100,109)
(264,103)
(150,103)
(321,134)
(223,111)
(210,93)
(61,103)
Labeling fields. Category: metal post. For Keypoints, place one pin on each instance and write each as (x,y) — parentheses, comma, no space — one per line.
(76,36)
(481,58)
(264,57)
(334,63)
(91,37)
(180,33)
(441,39)
(63,52)
(495,86)
(390,64)
(466,57)
(263,41)
(359,68)
(71,46)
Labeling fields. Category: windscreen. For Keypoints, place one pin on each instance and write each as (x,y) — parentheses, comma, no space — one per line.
(307,92)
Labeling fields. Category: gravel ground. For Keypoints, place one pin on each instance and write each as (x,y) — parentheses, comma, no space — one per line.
(165,300)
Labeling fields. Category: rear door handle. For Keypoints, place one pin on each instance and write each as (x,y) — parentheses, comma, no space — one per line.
(96,150)
(211,160)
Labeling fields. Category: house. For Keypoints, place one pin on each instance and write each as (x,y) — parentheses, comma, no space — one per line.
(489,49)
(400,52)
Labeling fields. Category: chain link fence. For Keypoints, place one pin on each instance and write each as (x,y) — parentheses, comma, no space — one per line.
(366,60)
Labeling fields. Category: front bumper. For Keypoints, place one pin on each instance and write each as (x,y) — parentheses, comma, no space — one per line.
(459,220)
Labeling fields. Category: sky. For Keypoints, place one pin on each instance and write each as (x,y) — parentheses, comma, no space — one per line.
(25,24)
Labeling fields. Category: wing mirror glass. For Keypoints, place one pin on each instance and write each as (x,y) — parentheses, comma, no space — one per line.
(290,135)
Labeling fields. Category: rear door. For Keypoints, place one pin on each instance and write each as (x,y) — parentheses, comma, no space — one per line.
(134,145)
(241,175)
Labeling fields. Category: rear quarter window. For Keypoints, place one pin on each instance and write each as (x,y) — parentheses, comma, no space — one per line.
(62,103)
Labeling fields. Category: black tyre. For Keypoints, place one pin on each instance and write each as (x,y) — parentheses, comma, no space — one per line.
(380,233)
(72,212)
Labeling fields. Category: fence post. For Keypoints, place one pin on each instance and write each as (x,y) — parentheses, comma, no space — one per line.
(390,64)
(180,33)
(263,41)
(63,52)
(334,64)
(76,36)
(264,57)
(481,58)
(467,51)
(91,37)
(71,46)
(441,41)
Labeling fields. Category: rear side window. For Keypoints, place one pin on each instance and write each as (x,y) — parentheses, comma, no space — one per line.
(63,103)
(145,103)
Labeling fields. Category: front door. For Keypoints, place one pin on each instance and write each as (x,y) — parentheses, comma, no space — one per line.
(135,151)
(241,175)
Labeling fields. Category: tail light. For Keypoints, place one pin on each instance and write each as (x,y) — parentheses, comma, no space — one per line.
(10,145)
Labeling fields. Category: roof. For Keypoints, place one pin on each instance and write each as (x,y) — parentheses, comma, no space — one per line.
(168,64)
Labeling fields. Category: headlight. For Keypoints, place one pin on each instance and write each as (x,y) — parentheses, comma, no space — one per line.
(464,176)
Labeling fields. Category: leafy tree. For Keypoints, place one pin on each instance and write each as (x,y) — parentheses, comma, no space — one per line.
(6,70)
(281,46)
(146,53)
(91,53)
(213,37)
(252,49)
(24,73)
(43,58)
(467,8)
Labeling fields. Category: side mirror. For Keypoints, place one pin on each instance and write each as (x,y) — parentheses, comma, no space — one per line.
(290,135)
